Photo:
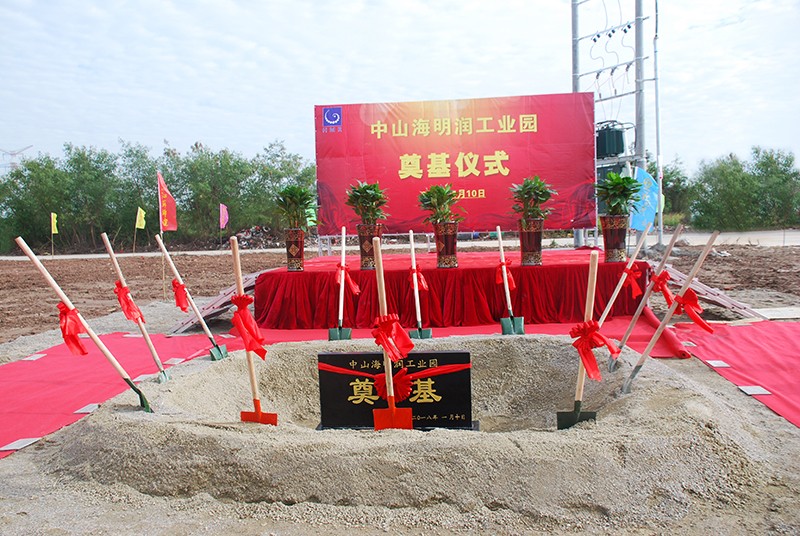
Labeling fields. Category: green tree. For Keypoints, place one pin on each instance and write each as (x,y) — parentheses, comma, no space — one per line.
(727,196)
(779,180)
(676,186)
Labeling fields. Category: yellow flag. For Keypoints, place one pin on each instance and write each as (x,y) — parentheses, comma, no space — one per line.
(140,218)
(53,223)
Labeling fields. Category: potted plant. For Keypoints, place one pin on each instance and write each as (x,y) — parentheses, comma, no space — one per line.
(529,196)
(294,202)
(618,193)
(440,201)
(367,201)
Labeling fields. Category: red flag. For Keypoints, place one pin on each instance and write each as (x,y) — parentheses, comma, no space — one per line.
(421,283)
(223,215)
(129,308)
(347,279)
(392,337)
(181,300)
(245,324)
(633,274)
(498,278)
(590,337)
(167,214)
(70,327)
(691,307)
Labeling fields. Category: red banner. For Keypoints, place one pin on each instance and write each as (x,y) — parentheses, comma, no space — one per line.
(480,146)
(168,219)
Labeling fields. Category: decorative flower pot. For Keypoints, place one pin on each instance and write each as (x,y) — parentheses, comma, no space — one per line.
(295,247)
(366,232)
(446,240)
(615,233)
(530,241)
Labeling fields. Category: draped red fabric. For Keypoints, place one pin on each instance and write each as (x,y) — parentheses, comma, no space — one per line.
(498,276)
(401,379)
(348,280)
(660,285)
(71,326)
(590,337)
(129,307)
(391,336)
(421,283)
(181,301)
(633,274)
(246,325)
(465,296)
(691,307)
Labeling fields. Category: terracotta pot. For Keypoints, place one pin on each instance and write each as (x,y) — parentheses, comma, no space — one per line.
(446,240)
(615,233)
(366,232)
(530,241)
(295,247)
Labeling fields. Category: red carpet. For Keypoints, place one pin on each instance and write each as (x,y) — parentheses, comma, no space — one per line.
(39,396)
(760,357)
(465,296)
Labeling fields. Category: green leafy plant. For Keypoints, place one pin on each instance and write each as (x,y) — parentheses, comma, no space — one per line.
(529,197)
(367,201)
(440,201)
(294,203)
(619,193)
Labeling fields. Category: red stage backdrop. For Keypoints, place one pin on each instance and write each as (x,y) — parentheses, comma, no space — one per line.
(480,146)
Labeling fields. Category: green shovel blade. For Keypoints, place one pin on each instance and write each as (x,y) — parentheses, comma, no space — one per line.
(513,325)
(421,333)
(218,352)
(340,334)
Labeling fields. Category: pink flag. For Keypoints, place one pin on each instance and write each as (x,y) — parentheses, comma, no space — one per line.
(223,216)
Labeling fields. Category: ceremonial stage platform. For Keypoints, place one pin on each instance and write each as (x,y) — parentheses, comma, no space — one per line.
(465,296)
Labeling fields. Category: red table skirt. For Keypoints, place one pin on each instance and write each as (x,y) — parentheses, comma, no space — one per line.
(463,296)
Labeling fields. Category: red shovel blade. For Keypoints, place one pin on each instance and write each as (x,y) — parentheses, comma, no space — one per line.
(392,417)
(259,416)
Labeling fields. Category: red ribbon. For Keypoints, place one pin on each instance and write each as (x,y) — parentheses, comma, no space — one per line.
(631,281)
(245,324)
(129,308)
(590,337)
(181,300)
(401,379)
(498,276)
(660,285)
(349,280)
(70,327)
(691,307)
(392,337)
(421,283)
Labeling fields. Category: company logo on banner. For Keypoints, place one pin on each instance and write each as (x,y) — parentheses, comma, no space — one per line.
(480,146)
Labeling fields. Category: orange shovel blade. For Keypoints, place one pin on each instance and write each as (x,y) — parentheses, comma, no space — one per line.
(392,417)
(259,416)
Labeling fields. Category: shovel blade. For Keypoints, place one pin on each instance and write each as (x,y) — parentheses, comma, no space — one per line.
(260,417)
(420,333)
(513,326)
(218,352)
(568,419)
(340,334)
(392,418)
(163,376)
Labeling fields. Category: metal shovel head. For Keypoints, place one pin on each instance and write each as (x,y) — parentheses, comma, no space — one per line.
(420,333)
(340,334)
(613,364)
(513,325)
(260,417)
(568,419)
(392,418)
(218,352)
(163,376)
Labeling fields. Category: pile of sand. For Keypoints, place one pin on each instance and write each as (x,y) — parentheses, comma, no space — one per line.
(673,454)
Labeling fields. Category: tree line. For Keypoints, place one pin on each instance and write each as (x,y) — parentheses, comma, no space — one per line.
(94,191)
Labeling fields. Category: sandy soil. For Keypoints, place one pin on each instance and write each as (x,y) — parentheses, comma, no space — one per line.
(685,452)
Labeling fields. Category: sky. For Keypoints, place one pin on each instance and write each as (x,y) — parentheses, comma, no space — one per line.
(241,74)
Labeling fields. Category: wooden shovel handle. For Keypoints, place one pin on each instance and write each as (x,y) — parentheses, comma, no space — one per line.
(624,276)
(113,257)
(587,316)
(237,272)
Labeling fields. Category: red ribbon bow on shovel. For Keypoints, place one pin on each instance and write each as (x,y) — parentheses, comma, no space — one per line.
(590,337)
(347,279)
(660,285)
(246,325)
(415,272)
(691,307)
(392,337)
(631,281)
(71,326)
(181,301)
(129,307)
(498,276)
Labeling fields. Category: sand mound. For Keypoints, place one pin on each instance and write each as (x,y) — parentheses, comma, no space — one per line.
(669,447)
